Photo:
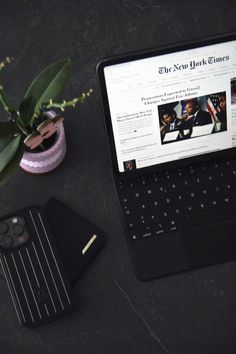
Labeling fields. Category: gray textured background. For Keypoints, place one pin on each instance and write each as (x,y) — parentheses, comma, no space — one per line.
(191,313)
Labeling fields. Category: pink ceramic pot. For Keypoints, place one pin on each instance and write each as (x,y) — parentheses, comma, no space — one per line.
(42,162)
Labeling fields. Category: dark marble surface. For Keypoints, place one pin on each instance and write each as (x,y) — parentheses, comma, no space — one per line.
(191,313)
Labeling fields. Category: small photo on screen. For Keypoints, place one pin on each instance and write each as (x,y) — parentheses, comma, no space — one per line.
(193,117)
(129,165)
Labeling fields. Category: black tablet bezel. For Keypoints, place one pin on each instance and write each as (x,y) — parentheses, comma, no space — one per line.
(106,111)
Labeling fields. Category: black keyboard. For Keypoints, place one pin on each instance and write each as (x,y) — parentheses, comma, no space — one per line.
(172,200)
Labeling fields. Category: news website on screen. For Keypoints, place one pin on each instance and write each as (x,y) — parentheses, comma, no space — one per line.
(173,106)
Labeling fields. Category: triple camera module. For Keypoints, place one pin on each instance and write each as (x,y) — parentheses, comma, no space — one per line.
(13,233)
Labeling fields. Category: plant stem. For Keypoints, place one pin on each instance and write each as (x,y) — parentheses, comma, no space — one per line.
(71,103)
(42,147)
(12,114)
(3,97)
(23,130)
(5,102)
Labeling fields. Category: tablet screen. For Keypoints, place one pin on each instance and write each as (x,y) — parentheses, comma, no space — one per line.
(172,106)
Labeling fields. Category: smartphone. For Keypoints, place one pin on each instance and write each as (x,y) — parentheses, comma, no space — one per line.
(78,240)
(37,282)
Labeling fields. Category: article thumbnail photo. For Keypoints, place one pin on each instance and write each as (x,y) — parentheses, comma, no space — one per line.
(233,90)
(193,118)
(129,165)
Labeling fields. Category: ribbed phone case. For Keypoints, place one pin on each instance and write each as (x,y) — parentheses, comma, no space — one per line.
(35,275)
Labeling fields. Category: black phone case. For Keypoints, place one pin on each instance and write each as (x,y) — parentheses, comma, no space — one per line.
(34,273)
(78,240)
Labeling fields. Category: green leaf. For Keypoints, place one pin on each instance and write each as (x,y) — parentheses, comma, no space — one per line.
(8,151)
(8,134)
(13,165)
(26,110)
(48,84)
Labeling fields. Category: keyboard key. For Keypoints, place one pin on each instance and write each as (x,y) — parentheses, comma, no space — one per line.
(155,204)
(121,185)
(155,178)
(131,183)
(150,193)
(180,173)
(186,183)
(164,214)
(143,180)
(162,189)
(227,200)
(134,237)
(178,212)
(147,234)
(167,201)
(192,195)
(171,225)
(189,209)
(159,229)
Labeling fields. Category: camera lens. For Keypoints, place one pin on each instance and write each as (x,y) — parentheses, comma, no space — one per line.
(18,229)
(6,242)
(3,227)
